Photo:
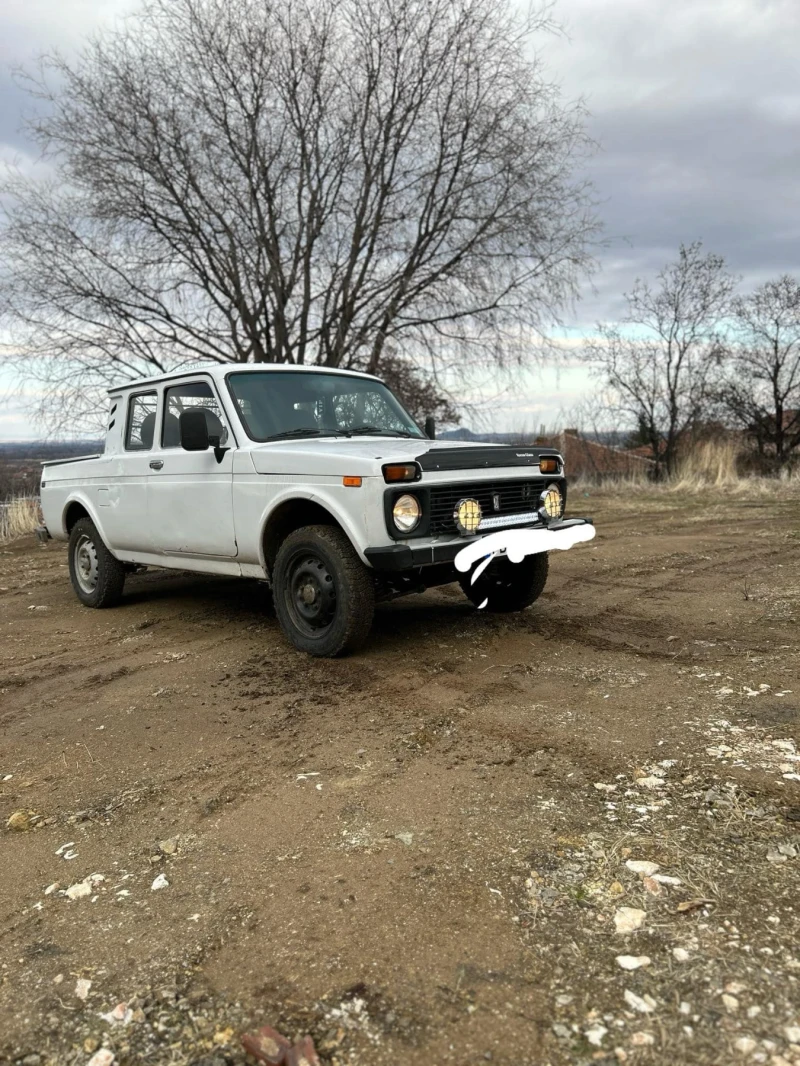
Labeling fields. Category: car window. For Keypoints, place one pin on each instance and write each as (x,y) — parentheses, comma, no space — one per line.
(305,403)
(189,396)
(142,408)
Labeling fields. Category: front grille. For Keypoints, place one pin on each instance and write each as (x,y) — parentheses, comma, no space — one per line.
(514,497)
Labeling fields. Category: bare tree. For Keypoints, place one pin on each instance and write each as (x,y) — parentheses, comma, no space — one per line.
(302,181)
(662,361)
(762,390)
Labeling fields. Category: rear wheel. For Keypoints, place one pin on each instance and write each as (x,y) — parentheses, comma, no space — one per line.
(324,595)
(96,575)
(507,586)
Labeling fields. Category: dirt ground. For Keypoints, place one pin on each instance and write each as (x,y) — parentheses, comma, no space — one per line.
(420,854)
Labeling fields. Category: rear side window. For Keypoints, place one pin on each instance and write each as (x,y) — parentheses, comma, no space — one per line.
(141,426)
(191,396)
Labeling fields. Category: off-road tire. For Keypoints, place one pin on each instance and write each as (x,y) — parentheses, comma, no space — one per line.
(104,588)
(324,595)
(508,586)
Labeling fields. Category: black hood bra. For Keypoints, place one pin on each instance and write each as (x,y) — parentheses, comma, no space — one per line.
(481,458)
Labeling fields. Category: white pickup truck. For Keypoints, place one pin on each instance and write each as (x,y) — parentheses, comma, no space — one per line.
(315,480)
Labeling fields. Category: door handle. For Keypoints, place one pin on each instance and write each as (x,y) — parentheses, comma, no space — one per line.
(156,464)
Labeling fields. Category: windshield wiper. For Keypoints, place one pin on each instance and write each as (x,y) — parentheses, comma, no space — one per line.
(306,433)
(380,432)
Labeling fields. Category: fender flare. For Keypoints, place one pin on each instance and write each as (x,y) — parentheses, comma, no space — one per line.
(80,498)
(297,494)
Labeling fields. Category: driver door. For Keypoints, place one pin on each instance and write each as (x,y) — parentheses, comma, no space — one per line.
(190,494)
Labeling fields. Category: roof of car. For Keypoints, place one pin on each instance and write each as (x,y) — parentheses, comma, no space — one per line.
(219,371)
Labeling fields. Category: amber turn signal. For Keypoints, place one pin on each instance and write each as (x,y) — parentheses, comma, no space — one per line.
(401,472)
(548,466)
(351,482)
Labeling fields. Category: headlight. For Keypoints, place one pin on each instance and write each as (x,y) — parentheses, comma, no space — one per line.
(406,513)
(467,515)
(551,503)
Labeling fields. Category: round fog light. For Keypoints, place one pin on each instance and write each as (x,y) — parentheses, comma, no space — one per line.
(551,503)
(406,512)
(468,515)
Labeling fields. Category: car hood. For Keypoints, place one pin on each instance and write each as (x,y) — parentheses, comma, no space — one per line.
(366,455)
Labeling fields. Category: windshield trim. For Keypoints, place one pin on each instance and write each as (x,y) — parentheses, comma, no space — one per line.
(337,434)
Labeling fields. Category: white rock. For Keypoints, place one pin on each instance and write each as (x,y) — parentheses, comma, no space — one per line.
(82,987)
(632,962)
(79,890)
(792,1034)
(681,954)
(665,879)
(628,919)
(644,1005)
(595,1034)
(602,787)
(649,782)
(103,1057)
(731,1003)
(120,1015)
(642,866)
(160,882)
(643,1039)
(52,888)
(745,1044)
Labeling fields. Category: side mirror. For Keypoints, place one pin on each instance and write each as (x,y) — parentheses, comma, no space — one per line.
(194,431)
(430,427)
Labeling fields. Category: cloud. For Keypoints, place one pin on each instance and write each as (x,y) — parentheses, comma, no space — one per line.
(696,107)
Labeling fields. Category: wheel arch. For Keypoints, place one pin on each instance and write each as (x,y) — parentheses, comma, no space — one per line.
(289,515)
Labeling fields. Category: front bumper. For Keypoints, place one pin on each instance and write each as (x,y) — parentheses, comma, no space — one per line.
(406,557)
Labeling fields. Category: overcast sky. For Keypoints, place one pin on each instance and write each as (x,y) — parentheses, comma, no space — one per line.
(695,105)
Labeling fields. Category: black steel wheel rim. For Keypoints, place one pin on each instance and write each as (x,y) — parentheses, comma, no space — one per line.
(310,593)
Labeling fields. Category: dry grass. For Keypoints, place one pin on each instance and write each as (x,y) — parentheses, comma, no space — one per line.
(711,466)
(19,516)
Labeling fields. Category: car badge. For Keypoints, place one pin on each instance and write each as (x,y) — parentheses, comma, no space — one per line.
(496,501)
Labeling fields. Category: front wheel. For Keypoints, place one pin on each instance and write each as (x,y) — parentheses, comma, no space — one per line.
(324,595)
(96,575)
(505,586)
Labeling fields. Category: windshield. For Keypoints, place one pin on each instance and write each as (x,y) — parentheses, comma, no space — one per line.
(288,403)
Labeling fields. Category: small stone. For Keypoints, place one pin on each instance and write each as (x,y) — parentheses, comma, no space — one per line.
(650,782)
(22,821)
(651,886)
(52,888)
(731,1003)
(82,987)
(160,882)
(561,1031)
(628,919)
(775,856)
(79,890)
(31,1060)
(792,1034)
(168,847)
(602,787)
(645,1005)
(753,1012)
(616,889)
(681,954)
(735,987)
(665,879)
(103,1057)
(632,962)
(405,838)
(564,999)
(745,1044)
(642,866)
(643,1040)
(595,1034)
